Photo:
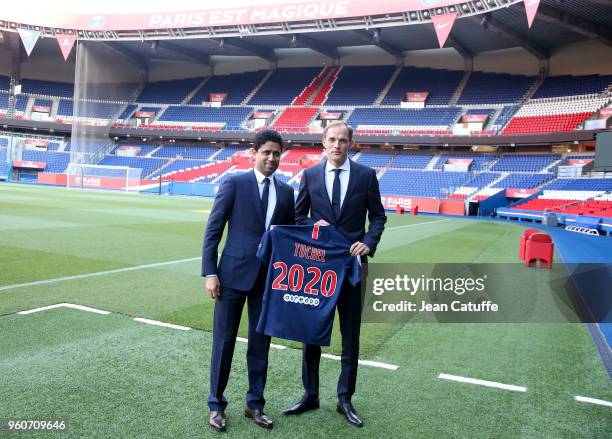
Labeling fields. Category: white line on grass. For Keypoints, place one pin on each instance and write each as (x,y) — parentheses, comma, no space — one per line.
(98,273)
(494,384)
(365,362)
(165,325)
(64,305)
(593,401)
(272,345)
(418,224)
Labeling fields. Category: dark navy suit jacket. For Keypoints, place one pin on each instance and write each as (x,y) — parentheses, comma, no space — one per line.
(238,205)
(362,200)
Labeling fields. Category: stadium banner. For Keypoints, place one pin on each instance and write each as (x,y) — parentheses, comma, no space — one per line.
(519,193)
(216,97)
(428,205)
(36,143)
(474,118)
(531,8)
(127,151)
(605,113)
(443,25)
(144,114)
(29,38)
(27,164)
(486,293)
(41,108)
(579,162)
(181,14)
(262,115)
(66,42)
(420,96)
(50,178)
(330,116)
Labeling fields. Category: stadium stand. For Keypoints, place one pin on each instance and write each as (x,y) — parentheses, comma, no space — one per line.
(148,165)
(284,85)
(525,162)
(359,85)
(295,118)
(200,152)
(47,88)
(167,92)
(4,164)
(429,184)
(5,83)
(440,84)
(403,120)
(523,181)
(410,161)
(237,86)
(556,86)
(227,118)
(375,159)
(495,88)
(479,161)
(56,162)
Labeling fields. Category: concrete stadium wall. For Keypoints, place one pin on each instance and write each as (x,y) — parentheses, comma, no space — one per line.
(585,58)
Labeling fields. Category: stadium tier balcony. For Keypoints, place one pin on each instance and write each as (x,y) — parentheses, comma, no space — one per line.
(170,151)
(523,181)
(401,119)
(479,161)
(359,85)
(495,88)
(47,88)
(524,162)
(237,86)
(145,148)
(426,184)
(167,92)
(230,118)
(568,85)
(294,118)
(410,161)
(200,152)
(56,161)
(440,84)
(375,159)
(148,165)
(580,184)
(90,110)
(284,85)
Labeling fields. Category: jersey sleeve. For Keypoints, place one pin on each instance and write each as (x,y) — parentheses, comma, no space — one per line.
(264,248)
(354,271)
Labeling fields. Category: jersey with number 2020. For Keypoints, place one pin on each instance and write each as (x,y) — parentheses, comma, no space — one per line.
(307,266)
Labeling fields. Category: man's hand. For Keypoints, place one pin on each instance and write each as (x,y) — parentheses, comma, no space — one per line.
(359,249)
(213,286)
(322,222)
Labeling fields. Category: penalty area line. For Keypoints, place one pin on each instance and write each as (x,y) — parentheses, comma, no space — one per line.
(64,305)
(593,401)
(365,362)
(158,323)
(460,379)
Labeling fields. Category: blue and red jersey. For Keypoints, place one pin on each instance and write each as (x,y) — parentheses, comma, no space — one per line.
(307,266)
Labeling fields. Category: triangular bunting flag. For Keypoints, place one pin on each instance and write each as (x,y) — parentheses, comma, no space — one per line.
(66,42)
(29,38)
(531,7)
(443,25)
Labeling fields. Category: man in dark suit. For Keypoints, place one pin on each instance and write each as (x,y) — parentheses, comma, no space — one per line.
(340,192)
(248,203)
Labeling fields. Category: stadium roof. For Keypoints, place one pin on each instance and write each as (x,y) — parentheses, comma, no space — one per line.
(481,25)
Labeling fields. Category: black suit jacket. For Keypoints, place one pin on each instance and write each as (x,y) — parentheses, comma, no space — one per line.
(362,200)
(238,205)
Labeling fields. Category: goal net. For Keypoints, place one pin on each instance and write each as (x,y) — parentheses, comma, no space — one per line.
(118,178)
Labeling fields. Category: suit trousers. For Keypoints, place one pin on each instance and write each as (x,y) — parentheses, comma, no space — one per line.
(349,307)
(228,310)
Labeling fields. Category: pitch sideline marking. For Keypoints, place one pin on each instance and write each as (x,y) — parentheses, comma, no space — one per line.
(485,383)
(98,273)
(365,362)
(593,401)
(164,324)
(272,345)
(64,305)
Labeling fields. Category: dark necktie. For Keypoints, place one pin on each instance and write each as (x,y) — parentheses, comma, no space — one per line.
(264,198)
(336,194)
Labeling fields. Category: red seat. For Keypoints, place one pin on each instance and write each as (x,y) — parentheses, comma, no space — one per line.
(539,246)
(526,234)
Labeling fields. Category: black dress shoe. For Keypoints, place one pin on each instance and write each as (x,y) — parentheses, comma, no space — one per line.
(216,420)
(346,408)
(258,416)
(305,404)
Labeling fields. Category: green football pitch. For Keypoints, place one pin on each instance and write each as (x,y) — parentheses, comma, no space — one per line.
(137,256)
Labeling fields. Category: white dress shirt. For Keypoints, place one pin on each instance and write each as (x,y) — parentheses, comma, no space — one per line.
(271,195)
(344,178)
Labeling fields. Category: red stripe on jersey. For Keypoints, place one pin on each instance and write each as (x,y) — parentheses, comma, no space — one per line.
(315,232)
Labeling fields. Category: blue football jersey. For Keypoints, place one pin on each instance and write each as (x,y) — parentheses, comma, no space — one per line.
(307,266)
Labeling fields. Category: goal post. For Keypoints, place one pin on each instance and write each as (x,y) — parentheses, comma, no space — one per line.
(118,178)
